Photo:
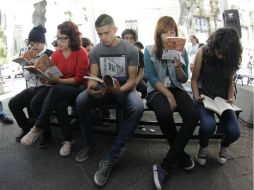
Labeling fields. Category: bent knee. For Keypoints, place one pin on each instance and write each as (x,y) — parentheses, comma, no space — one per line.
(81,102)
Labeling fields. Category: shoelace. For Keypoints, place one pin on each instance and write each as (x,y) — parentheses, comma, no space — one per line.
(202,153)
(105,168)
(223,152)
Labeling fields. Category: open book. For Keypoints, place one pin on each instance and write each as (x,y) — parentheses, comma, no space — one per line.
(107,81)
(175,43)
(218,105)
(42,66)
(28,58)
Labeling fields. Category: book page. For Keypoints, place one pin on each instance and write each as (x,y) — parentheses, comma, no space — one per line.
(35,71)
(29,55)
(236,108)
(28,58)
(45,65)
(175,43)
(223,105)
(93,78)
(209,104)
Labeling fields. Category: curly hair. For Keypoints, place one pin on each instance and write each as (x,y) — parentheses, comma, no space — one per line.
(71,30)
(163,25)
(226,41)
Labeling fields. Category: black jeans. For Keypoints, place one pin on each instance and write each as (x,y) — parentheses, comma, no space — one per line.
(157,102)
(58,99)
(31,98)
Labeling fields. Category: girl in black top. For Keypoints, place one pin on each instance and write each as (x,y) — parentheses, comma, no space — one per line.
(214,67)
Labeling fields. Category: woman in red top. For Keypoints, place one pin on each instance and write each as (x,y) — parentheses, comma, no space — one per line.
(72,60)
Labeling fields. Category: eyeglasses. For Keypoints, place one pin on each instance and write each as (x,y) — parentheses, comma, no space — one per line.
(62,39)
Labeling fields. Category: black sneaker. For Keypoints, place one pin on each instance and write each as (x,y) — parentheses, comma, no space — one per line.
(20,136)
(6,120)
(102,174)
(44,142)
(84,153)
(186,162)
(159,176)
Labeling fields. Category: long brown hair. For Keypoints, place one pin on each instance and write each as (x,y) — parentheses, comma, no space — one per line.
(163,25)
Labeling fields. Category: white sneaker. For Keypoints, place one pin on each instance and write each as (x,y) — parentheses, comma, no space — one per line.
(30,137)
(65,150)
(201,155)
(223,155)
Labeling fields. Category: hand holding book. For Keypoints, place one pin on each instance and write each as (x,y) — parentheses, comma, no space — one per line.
(218,105)
(173,49)
(28,58)
(43,66)
(107,81)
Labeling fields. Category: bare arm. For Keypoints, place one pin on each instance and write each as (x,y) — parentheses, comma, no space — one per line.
(196,75)
(140,75)
(129,85)
(94,70)
(231,97)
(180,74)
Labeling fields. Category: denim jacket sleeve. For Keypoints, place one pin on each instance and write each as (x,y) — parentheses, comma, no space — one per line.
(185,66)
(149,68)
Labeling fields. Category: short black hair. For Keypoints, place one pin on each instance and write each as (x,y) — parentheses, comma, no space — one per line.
(104,20)
(130,31)
(139,44)
(86,42)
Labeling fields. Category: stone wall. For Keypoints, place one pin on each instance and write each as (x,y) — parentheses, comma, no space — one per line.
(244,99)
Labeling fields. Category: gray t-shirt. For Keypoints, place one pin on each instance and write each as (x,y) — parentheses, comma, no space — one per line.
(115,60)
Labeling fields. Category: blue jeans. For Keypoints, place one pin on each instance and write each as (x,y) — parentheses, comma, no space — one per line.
(133,108)
(207,128)
(2,114)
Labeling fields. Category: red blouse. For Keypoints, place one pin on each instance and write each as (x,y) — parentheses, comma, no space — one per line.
(76,65)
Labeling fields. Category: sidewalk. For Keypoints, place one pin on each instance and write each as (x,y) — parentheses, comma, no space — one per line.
(30,168)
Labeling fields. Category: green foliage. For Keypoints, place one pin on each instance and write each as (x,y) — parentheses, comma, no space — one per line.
(3,48)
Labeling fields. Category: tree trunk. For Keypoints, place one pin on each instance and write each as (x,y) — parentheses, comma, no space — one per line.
(39,13)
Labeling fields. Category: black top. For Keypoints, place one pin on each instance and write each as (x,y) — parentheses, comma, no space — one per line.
(48,52)
(213,79)
(141,59)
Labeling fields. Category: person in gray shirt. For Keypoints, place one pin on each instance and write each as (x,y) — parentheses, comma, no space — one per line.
(119,59)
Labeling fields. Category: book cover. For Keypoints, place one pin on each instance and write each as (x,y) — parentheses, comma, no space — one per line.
(218,104)
(43,65)
(175,43)
(28,58)
(107,81)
